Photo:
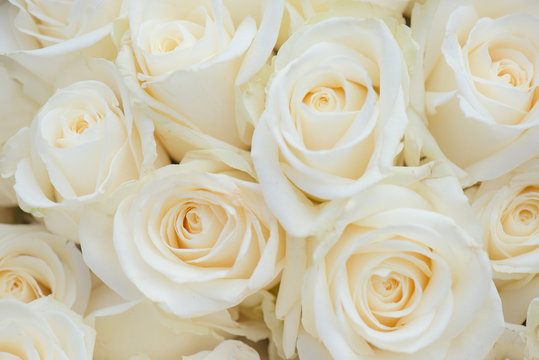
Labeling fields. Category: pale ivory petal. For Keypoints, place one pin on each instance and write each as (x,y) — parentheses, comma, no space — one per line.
(153,333)
(510,345)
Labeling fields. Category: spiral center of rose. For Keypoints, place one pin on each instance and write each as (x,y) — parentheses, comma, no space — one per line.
(191,222)
(511,67)
(169,36)
(510,72)
(325,99)
(19,286)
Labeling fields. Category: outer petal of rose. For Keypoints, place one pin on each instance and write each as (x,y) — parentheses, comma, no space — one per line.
(516,298)
(177,133)
(310,348)
(290,206)
(509,345)
(485,328)
(95,234)
(260,49)
(70,327)
(153,332)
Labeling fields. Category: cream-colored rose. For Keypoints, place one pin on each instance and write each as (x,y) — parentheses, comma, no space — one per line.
(508,210)
(84,142)
(44,330)
(334,119)
(52,27)
(479,67)
(228,349)
(189,60)
(35,264)
(192,240)
(401,280)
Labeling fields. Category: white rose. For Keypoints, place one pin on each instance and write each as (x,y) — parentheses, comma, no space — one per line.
(194,241)
(84,142)
(188,61)
(50,27)
(508,210)
(401,281)
(334,119)
(43,329)
(228,349)
(479,68)
(35,264)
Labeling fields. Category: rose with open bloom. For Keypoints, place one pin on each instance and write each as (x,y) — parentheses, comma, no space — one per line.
(44,329)
(187,60)
(479,65)
(35,264)
(401,281)
(334,119)
(56,27)
(85,141)
(194,241)
(508,210)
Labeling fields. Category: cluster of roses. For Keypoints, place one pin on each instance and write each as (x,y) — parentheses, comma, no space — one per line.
(269,179)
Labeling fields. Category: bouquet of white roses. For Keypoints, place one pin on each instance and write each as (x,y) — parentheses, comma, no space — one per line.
(269,179)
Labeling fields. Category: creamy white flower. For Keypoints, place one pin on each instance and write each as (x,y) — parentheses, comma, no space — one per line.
(85,141)
(479,67)
(508,210)
(188,60)
(193,241)
(228,349)
(334,119)
(56,27)
(401,281)
(35,264)
(43,329)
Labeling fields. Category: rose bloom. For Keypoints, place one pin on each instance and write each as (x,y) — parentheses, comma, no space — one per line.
(85,141)
(192,240)
(478,64)
(189,61)
(400,279)
(35,264)
(334,119)
(43,329)
(51,27)
(508,209)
